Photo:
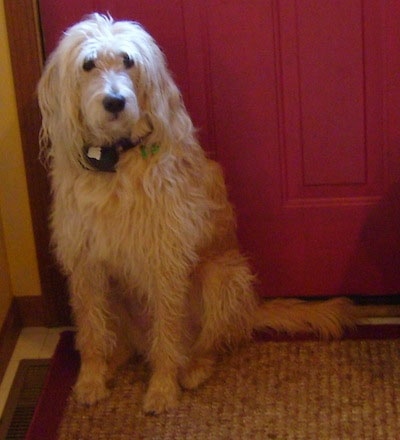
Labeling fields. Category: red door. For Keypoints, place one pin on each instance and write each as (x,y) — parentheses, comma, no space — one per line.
(299,101)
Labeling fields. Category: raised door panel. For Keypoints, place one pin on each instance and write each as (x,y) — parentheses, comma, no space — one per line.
(332,98)
(334,145)
(299,104)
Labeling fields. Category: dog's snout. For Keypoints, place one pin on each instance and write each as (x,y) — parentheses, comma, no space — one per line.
(114,102)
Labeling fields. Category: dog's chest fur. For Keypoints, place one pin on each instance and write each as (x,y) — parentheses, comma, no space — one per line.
(130,221)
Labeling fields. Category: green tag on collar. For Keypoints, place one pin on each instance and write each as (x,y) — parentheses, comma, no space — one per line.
(149,150)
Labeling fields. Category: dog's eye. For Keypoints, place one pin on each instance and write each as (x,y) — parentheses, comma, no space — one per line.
(128,61)
(89,64)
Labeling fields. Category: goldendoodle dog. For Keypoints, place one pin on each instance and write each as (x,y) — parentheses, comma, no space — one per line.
(141,222)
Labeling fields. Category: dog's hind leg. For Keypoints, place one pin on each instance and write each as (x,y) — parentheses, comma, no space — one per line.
(228,308)
(94,340)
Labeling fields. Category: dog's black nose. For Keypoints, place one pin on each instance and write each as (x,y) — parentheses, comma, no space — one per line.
(114,102)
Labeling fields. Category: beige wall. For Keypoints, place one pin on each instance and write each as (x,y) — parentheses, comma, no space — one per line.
(18,262)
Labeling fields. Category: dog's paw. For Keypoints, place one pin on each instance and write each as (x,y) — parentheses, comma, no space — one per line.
(160,399)
(197,372)
(88,391)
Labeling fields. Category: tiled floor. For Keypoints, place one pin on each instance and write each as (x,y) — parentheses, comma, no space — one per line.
(33,343)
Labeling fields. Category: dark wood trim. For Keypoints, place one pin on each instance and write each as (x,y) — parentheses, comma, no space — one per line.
(31,311)
(379,300)
(23,26)
(9,333)
(363,300)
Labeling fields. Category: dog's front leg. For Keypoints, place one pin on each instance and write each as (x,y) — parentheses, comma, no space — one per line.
(167,351)
(94,339)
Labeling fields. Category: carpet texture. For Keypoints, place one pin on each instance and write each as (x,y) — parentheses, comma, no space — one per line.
(307,390)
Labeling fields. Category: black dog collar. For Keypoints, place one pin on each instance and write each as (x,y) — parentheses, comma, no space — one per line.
(106,157)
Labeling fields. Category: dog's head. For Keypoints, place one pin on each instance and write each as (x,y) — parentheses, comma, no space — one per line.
(107,80)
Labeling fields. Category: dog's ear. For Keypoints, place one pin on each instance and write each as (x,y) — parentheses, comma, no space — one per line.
(50,108)
(57,94)
(162,99)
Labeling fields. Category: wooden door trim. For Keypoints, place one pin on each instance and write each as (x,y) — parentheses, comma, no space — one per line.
(23,26)
(9,333)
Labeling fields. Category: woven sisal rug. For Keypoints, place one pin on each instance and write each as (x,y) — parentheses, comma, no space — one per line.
(338,390)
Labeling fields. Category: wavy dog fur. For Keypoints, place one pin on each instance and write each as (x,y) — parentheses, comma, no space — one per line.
(150,250)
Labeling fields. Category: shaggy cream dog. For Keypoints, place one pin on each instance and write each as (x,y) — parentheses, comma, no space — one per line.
(141,222)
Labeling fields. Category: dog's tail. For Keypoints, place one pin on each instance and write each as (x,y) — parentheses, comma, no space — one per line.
(327,319)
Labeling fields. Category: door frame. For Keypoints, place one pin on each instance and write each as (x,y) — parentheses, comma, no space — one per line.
(26,52)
